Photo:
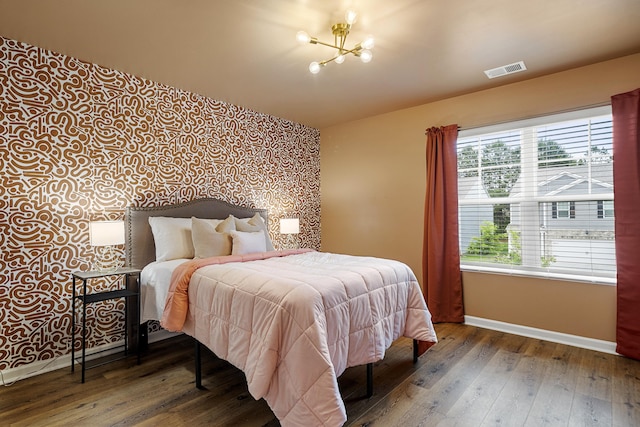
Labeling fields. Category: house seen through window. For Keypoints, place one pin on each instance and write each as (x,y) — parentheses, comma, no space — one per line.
(536,196)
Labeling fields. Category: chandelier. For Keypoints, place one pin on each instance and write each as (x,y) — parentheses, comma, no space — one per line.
(340,32)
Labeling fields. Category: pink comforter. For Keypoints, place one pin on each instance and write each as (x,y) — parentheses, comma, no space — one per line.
(294,321)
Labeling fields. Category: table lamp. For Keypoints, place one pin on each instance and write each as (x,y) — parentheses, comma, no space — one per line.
(290,226)
(106,235)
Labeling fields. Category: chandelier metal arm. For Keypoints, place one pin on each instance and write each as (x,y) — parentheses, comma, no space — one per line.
(355,51)
(316,41)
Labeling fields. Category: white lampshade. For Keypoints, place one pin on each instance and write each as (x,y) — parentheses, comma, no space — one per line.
(289,226)
(106,233)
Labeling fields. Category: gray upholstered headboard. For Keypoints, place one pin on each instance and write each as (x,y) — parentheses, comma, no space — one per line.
(140,248)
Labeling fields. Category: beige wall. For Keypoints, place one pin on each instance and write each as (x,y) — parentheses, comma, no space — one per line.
(373,185)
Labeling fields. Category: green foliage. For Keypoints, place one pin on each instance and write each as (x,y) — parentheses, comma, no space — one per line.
(547,260)
(493,243)
(502,164)
(490,241)
(468,162)
(552,155)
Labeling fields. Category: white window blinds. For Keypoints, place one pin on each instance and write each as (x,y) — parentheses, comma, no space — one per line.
(536,196)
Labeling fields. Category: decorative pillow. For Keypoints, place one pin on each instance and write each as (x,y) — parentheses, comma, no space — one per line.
(253,224)
(211,237)
(247,242)
(172,237)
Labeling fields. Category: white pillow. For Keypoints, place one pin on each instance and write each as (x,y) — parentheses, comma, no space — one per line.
(211,237)
(247,242)
(172,237)
(255,223)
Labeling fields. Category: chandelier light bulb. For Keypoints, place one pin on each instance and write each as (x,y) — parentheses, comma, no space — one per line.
(314,67)
(368,43)
(366,56)
(350,16)
(303,37)
(339,59)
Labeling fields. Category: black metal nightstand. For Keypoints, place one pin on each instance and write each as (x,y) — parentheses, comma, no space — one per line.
(130,292)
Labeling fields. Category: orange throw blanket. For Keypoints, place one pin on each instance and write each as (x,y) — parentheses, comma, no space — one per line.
(177,304)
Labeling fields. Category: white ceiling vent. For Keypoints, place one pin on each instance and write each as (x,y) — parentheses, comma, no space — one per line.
(506,69)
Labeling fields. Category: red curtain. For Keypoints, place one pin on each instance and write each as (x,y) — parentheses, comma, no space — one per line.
(441,252)
(626,178)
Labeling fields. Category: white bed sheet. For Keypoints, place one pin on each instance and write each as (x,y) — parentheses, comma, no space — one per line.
(155,279)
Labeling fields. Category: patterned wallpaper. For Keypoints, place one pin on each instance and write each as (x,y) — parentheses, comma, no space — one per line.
(80,142)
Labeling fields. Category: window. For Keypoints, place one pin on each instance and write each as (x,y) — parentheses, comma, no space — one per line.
(605,208)
(536,196)
(563,210)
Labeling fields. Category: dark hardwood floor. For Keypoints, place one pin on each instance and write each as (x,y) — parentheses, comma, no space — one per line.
(472,377)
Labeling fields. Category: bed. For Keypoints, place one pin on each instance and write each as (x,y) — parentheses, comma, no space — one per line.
(291,320)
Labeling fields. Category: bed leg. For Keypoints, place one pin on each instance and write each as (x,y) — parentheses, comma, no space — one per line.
(143,336)
(198,366)
(415,351)
(369,379)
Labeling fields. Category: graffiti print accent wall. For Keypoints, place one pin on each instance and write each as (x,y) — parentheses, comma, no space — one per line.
(80,142)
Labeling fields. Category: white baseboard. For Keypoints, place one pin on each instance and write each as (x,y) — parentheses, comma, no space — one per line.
(543,334)
(12,375)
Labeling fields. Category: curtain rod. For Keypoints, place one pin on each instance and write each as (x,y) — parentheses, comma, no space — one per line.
(601,104)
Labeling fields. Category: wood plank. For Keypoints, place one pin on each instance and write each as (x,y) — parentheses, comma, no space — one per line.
(436,403)
(516,398)
(626,392)
(552,404)
(396,367)
(589,411)
(592,403)
(392,409)
(594,376)
(479,397)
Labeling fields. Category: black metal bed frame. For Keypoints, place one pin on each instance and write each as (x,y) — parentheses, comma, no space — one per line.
(198,370)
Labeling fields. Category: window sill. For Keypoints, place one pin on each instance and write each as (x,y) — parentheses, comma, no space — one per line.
(610,281)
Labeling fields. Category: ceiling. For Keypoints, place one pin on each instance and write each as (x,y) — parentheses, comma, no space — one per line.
(244,51)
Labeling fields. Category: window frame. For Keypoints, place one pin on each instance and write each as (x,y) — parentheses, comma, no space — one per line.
(524,270)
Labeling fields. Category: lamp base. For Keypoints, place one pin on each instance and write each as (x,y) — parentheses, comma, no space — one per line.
(106,261)
(291,242)
(105,268)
